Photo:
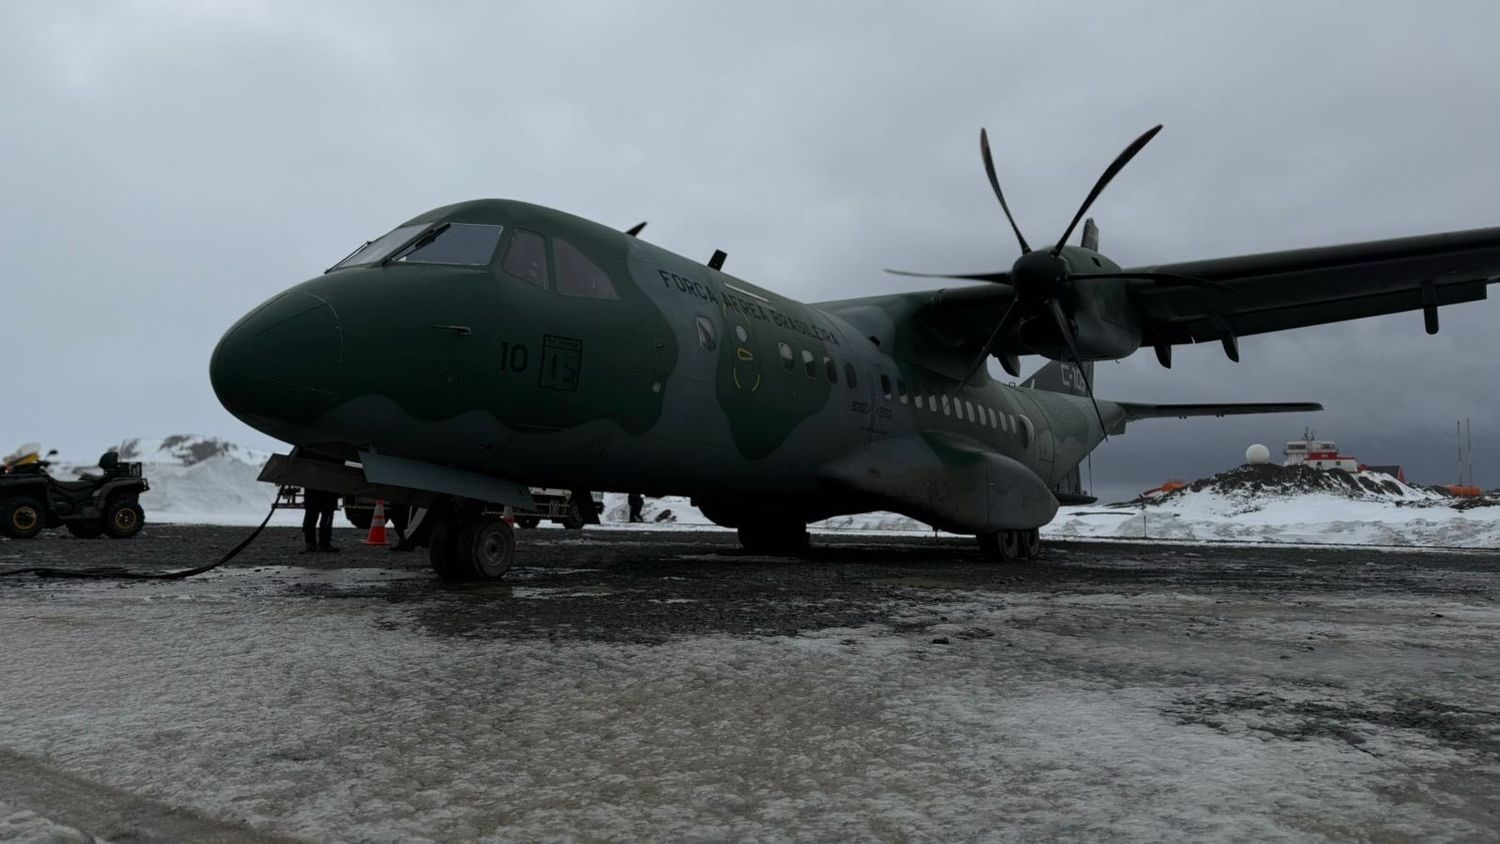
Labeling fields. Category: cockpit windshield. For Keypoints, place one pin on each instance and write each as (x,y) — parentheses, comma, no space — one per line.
(466,244)
(463,244)
(380,247)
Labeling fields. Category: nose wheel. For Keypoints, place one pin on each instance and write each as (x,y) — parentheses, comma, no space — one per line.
(472,547)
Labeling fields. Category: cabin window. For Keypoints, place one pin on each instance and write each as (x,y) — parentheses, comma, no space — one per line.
(885,385)
(1026,432)
(461,244)
(947,406)
(787,361)
(808,364)
(526,258)
(932,403)
(849,375)
(994,422)
(706,337)
(832,369)
(578,276)
(969,409)
(901,389)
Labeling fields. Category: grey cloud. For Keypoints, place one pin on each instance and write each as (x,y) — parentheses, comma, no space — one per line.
(168,166)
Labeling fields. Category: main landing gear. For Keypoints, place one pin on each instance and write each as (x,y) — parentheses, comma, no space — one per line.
(470,545)
(1004,546)
(774,537)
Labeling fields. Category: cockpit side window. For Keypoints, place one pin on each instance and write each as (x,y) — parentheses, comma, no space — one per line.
(461,244)
(526,258)
(578,276)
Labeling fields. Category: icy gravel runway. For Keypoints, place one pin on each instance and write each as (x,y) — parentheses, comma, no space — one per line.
(630,684)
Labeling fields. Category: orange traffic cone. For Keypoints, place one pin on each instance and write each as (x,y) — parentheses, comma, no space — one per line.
(377,526)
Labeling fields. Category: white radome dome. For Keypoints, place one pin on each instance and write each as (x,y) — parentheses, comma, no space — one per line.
(1257,454)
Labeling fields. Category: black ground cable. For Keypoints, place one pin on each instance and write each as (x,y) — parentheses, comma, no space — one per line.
(121,573)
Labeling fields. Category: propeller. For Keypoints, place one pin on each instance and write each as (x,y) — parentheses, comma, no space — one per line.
(1039,279)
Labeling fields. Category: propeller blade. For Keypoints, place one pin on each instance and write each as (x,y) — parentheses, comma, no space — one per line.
(1012,311)
(636,229)
(989,170)
(996,278)
(1163,279)
(1109,173)
(1061,321)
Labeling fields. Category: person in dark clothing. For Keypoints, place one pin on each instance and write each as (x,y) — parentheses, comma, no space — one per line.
(636,503)
(317,520)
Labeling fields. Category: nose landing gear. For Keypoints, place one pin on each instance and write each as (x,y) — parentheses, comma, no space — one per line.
(471,546)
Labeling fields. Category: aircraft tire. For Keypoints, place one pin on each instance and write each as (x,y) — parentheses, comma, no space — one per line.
(775,538)
(488,546)
(1031,543)
(528,522)
(443,550)
(1000,546)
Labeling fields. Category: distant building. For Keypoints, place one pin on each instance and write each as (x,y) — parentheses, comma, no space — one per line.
(1318,454)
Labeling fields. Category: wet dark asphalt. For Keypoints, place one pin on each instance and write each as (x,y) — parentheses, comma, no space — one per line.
(647,586)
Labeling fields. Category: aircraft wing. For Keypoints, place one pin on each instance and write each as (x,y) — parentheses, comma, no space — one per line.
(1280,290)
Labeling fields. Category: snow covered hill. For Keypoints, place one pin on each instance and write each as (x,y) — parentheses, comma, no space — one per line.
(1293,504)
(197,480)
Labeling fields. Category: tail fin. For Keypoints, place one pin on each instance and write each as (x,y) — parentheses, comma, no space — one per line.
(1062,377)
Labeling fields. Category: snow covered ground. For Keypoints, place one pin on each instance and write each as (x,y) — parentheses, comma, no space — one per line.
(332,705)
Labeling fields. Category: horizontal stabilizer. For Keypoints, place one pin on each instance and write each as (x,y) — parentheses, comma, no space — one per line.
(1134,410)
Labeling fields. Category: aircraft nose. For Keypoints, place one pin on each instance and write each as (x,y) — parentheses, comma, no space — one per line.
(280,362)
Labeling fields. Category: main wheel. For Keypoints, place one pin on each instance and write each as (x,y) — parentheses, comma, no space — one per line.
(85,530)
(779,538)
(1031,544)
(1001,546)
(488,545)
(123,519)
(443,550)
(22,517)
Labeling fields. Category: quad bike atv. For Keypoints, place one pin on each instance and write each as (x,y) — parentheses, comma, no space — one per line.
(106,504)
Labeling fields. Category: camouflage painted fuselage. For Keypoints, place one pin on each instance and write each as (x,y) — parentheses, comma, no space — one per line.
(686,380)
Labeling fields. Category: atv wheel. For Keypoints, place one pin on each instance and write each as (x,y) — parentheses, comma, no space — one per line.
(574,518)
(528,522)
(22,518)
(123,519)
(85,530)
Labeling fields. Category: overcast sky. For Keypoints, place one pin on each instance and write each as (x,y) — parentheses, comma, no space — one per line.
(167,166)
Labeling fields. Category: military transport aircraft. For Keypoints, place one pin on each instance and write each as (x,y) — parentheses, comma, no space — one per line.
(486,347)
